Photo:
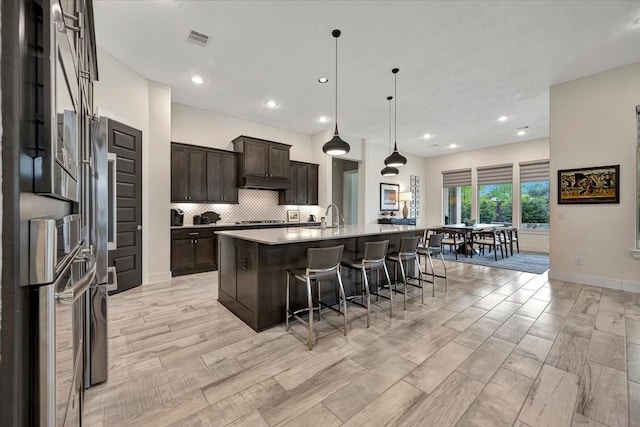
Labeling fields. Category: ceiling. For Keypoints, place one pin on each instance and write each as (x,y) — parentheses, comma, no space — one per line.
(462,63)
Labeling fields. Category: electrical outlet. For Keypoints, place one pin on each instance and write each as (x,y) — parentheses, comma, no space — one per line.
(579,260)
(561,216)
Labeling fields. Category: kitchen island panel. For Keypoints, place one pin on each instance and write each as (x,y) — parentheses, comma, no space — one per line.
(253,277)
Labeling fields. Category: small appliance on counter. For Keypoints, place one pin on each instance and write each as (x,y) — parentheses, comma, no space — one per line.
(197,220)
(312,218)
(177,217)
(211,217)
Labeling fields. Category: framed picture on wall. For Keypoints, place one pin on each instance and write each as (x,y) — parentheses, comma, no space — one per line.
(293,215)
(412,180)
(412,213)
(598,184)
(389,200)
(417,181)
(417,213)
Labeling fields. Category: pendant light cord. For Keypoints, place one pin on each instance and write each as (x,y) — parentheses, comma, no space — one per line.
(395,111)
(336,81)
(389,98)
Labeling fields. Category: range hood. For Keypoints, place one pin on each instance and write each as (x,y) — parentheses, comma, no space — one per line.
(256,183)
(263,164)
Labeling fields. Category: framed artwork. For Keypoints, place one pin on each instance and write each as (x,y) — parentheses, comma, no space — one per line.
(293,215)
(412,180)
(417,213)
(389,200)
(417,180)
(599,184)
(412,213)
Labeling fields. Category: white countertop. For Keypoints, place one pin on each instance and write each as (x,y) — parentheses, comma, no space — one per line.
(278,236)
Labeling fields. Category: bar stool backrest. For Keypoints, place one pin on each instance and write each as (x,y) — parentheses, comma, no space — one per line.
(321,260)
(375,251)
(435,241)
(409,245)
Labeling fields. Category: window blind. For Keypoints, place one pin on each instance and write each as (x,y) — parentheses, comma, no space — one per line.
(456,178)
(497,174)
(537,170)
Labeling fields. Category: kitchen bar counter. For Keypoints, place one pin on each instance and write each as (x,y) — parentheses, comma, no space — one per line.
(234,225)
(252,265)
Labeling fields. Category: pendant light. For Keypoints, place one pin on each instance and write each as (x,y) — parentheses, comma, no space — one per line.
(336,146)
(388,170)
(395,159)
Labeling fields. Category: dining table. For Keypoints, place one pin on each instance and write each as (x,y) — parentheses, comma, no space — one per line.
(466,231)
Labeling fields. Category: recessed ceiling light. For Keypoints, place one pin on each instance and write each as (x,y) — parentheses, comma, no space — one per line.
(521,132)
(271,104)
(323,119)
(427,136)
(502,118)
(323,80)
(197,80)
(453,146)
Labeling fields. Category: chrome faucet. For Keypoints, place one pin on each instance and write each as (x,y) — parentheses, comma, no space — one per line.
(336,224)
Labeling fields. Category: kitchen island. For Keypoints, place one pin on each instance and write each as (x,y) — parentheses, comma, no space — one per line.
(252,265)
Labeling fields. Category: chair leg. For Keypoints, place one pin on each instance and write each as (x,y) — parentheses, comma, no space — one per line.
(366,288)
(445,273)
(344,301)
(433,275)
(286,318)
(310,302)
(386,273)
(319,305)
(404,281)
(420,279)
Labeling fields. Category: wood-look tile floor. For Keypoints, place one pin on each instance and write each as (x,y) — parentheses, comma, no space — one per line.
(501,348)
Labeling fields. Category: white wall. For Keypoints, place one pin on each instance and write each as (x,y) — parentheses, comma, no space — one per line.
(374,162)
(201,127)
(593,123)
(124,95)
(509,153)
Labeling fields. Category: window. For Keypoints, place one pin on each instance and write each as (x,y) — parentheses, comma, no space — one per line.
(534,195)
(495,194)
(457,196)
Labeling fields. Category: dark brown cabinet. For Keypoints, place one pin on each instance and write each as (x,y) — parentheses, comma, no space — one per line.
(222,177)
(193,250)
(188,174)
(304,185)
(263,164)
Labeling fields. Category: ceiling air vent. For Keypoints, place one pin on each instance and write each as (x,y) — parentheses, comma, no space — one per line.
(198,38)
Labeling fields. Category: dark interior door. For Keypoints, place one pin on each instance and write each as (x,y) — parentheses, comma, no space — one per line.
(126,143)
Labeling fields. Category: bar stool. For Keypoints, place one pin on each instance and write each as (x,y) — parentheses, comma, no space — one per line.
(433,247)
(407,252)
(322,264)
(372,260)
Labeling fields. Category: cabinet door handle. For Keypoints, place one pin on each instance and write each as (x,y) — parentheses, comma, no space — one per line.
(194,234)
(196,241)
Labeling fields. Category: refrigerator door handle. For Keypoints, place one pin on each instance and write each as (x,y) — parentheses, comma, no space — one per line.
(111,273)
(70,295)
(112,240)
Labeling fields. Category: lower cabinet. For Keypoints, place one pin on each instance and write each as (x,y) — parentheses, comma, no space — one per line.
(193,251)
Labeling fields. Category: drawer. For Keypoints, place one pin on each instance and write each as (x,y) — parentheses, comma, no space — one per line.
(192,233)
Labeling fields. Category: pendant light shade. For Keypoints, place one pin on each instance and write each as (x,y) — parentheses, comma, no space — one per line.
(395,159)
(389,170)
(336,146)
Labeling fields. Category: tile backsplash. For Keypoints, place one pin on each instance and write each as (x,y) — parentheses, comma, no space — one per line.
(253,205)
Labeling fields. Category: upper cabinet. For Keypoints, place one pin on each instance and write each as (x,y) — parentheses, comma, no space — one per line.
(263,164)
(203,175)
(222,177)
(188,174)
(304,185)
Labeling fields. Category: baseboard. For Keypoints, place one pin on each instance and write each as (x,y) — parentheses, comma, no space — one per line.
(603,282)
(158,277)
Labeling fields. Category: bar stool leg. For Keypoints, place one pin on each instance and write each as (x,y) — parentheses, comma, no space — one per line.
(310,301)
(433,276)
(319,305)
(366,287)
(386,273)
(344,301)
(420,278)
(445,272)
(286,318)
(404,280)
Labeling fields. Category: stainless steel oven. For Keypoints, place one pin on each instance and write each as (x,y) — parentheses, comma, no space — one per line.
(56,154)
(63,272)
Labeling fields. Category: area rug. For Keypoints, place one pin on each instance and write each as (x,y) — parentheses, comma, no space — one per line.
(527,262)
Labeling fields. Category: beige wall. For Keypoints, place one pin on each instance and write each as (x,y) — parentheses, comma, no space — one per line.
(509,153)
(124,95)
(592,123)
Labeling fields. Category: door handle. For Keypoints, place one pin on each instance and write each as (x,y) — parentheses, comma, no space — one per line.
(139,227)
(112,161)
